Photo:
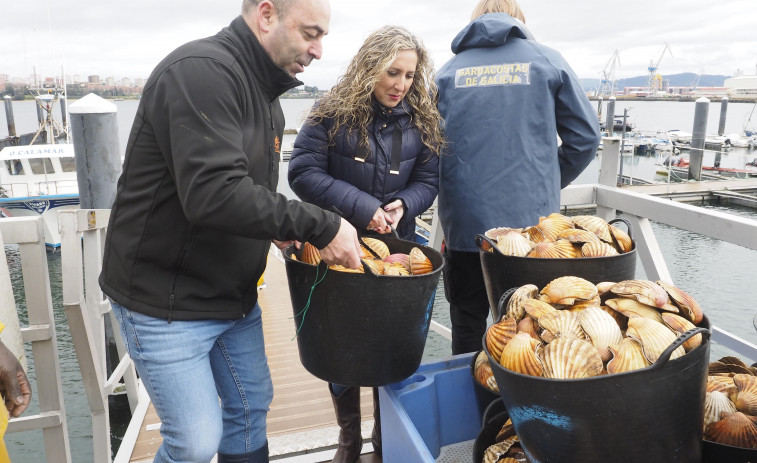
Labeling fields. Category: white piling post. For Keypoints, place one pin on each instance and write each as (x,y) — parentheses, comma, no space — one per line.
(94,129)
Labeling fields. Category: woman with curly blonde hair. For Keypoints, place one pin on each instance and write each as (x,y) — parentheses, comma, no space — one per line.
(369,148)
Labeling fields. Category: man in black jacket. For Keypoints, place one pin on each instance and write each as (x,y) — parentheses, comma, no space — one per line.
(194,217)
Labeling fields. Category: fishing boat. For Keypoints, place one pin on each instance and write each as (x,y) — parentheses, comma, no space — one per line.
(39,177)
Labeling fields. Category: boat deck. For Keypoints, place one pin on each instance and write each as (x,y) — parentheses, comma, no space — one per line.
(301,419)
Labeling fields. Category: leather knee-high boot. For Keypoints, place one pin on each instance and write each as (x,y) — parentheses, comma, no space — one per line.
(258,456)
(376,434)
(347,408)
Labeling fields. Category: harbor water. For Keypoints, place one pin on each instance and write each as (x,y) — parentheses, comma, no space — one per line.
(721,276)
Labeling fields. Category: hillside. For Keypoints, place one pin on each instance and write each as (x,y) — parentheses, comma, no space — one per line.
(675,80)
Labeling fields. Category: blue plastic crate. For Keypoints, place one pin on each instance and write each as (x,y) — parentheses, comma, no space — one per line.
(438,405)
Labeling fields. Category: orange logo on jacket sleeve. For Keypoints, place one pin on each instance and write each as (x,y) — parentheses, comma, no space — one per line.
(277,145)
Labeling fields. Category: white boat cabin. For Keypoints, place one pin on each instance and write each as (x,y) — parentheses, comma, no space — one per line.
(37,170)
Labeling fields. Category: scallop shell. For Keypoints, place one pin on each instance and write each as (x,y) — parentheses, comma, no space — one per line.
(419,263)
(571,358)
(536,308)
(604,288)
(562,323)
(514,244)
(494,233)
(627,356)
(643,291)
(654,338)
(746,398)
(716,403)
(619,318)
(545,230)
(602,330)
(577,235)
(519,355)
(568,289)
(598,249)
(633,308)
(396,269)
(580,305)
(736,429)
(689,306)
(495,453)
(376,266)
(377,246)
(561,220)
(547,336)
(528,325)
(506,432)
(399,258)
(498,335)
(310,254)
(722,384)
(680,325)
(622,241)
(514,307)
(485,377)
(596,225)
(562,249)
(341,268)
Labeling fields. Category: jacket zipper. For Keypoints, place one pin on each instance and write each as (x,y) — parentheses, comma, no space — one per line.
(172,298)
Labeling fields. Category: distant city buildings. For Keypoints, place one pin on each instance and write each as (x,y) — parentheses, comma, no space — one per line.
(75,85)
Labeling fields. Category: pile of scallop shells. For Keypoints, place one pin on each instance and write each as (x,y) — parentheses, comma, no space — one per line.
(573,329)
(375,254)
(730,403)
(506,447)
(559,236)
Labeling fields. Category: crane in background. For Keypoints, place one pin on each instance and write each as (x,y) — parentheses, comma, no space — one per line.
(654,80)
(607,81)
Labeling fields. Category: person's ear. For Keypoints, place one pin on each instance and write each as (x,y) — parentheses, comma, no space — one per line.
(267,15)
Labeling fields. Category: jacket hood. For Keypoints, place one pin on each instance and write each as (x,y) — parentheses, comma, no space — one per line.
(489,30)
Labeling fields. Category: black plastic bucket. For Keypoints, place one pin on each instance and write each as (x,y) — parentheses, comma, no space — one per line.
(503,272)
(495,416)
(652,414)
(362,329)
(714,452)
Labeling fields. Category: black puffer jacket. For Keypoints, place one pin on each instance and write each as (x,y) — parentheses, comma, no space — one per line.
(329,175)
(195,209)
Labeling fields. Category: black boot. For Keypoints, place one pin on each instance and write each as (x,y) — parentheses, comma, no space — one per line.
(258,456)
(347,408)
(376,434)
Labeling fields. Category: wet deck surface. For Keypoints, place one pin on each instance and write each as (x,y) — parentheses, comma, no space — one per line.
(301,419)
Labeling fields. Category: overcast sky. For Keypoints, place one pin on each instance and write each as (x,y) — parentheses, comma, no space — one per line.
(127,39)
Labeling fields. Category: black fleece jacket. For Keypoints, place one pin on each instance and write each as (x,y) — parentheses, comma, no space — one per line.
(196,206)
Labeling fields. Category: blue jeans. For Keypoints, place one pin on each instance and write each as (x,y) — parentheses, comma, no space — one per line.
(186,366)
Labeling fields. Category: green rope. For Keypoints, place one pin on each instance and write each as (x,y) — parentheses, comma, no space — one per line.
(304,311)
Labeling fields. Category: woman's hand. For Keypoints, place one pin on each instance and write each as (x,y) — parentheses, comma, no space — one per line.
(394,212)
(283,244)
(381,222)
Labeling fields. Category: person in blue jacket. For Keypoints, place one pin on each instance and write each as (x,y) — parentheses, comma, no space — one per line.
(505,99)
(369,148)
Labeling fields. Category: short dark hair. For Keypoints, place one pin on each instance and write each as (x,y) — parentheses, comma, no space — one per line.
(281,6)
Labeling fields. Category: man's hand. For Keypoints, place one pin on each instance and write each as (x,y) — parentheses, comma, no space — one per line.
(344,249)
(14,385)
(284,244)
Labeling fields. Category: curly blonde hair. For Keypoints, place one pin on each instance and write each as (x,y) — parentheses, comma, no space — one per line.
(350,102)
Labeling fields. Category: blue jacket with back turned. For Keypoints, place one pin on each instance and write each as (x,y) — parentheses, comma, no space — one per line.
(505,99)
(329,175)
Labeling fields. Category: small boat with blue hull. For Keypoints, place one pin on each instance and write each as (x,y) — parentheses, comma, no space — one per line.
(38,180)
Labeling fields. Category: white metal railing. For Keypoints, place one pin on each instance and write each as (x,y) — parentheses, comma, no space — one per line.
(82,242)
(28,234)
(639,209)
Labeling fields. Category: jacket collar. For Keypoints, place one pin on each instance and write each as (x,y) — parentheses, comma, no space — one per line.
(390,114)
(272,78)
(489,30)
